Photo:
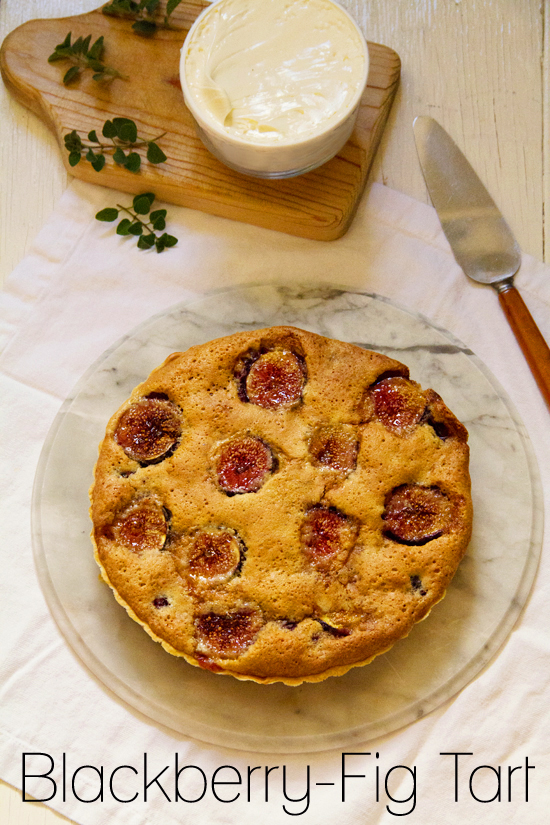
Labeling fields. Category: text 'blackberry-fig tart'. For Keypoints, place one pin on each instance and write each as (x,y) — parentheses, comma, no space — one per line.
(280,506)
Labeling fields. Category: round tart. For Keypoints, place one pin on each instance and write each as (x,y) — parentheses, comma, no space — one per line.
(280,506)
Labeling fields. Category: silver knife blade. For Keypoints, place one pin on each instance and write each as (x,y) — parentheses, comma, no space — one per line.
(481,240)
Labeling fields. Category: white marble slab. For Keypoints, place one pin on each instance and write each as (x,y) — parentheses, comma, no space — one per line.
(439,657)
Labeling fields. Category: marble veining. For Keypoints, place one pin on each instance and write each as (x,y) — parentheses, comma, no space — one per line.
(440,655)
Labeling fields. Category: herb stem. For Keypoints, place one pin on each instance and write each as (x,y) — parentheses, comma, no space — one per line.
(83,56)
(135,218)
(124,141)
(83,63)
(141,205)
(123,144)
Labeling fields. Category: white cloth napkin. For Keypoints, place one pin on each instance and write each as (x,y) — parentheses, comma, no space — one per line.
(81,288)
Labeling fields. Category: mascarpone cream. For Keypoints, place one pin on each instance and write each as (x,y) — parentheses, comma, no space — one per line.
(274,72)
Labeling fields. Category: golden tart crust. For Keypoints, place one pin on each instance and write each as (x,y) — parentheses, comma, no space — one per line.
(280,506)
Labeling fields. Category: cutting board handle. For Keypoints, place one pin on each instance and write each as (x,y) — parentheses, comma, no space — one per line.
(319,205)
(533,345)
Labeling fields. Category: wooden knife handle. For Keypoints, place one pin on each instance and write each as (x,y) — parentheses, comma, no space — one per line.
(533,345)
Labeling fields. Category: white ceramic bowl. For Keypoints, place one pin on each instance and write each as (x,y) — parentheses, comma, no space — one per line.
(290,154)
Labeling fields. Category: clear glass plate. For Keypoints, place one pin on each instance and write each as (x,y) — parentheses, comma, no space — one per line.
(438,658)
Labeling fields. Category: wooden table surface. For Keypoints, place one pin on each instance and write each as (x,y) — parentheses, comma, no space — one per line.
(480,67)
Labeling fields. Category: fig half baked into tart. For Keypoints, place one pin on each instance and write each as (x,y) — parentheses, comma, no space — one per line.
(280,506)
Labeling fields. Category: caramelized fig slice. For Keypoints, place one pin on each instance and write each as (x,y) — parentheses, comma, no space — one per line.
(214,555)
(397,402)
(275,380)
(227,635)
(327,538)
(142,526)
(415,514)
(441,419)
(207,664)
(243,464)
(149,429)
(334,629)
(335,446)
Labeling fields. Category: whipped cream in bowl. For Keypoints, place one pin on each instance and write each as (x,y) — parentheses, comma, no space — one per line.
(274,85)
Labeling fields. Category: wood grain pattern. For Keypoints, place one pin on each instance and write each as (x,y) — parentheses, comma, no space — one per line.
(318,205)
(529,337)
(475,65)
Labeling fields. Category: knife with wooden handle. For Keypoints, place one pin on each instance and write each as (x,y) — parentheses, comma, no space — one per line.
(480,238)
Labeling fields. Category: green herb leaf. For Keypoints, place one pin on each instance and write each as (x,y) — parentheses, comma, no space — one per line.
(96,66)
(143,13)
(121,8)
(74,158)
(73,143)
(123,134)
(126,129)
(71,74)
(61,50)
(171,6)
(158,219)
(151,6)
(64,54)
(109,129)
(146,241)
(154,153)
(133,162)
(97,49)
(108,214)
(119,156)
(122,228)
(83,57)
(165,241)
(145,27)
(141,204)
(138,226)
(98,163)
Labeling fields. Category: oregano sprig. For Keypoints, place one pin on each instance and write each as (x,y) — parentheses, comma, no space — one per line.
(123,136)
(83,56)
(144,230)
(143,12)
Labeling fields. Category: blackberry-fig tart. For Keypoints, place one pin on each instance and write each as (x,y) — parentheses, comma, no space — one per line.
(280,506)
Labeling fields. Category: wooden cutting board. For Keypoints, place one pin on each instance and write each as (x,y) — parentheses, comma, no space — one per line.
(318,205)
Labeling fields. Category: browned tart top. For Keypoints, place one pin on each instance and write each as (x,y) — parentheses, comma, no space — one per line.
(281,506)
